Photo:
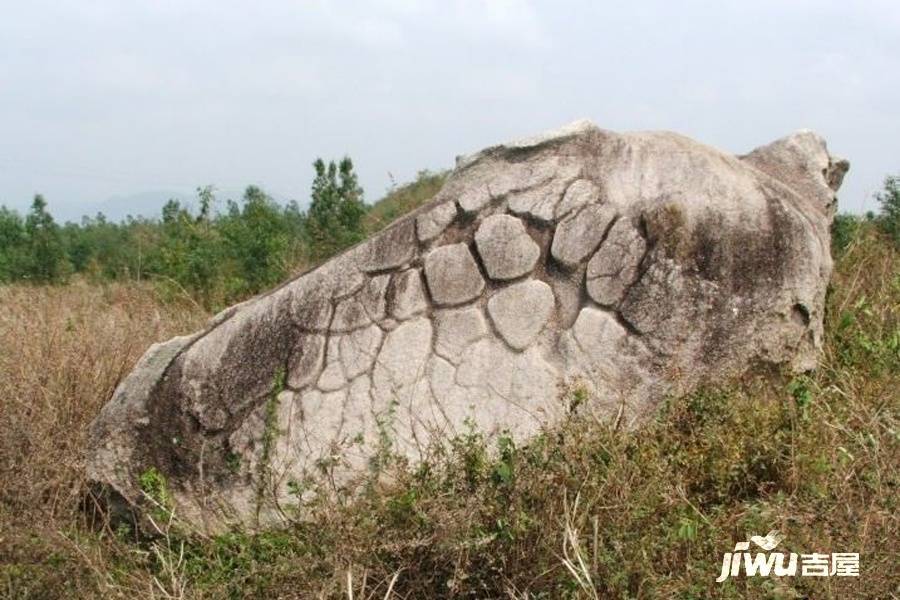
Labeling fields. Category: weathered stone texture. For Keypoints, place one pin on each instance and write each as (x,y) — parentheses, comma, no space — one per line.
(505,247)
(452,275)
(580,234)
(614,266)
(456,330)
(580,193)
(520,311)
(407,295)
(431,224)
(632,265)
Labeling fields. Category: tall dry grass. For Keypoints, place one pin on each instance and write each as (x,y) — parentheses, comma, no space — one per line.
(62,352)
(585,511)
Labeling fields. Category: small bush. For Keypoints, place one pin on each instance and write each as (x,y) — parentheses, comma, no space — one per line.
(889,199)
(844,229)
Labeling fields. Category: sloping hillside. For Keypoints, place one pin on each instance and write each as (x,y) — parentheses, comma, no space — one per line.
(403,199)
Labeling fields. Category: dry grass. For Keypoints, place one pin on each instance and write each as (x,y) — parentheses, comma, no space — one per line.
(582,512)
(64,349)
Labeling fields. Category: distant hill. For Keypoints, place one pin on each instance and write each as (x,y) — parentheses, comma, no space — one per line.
(146,204)
(395,202)
(142,204)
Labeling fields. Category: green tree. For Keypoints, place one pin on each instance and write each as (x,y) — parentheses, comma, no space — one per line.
(189,249)
(258,240)
(295,222)
(335,217)
(889,198)
(13,251)
(101,248)
(207,197)
(47,258)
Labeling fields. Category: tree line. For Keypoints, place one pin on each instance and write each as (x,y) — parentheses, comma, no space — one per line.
(217,257)
(214,256)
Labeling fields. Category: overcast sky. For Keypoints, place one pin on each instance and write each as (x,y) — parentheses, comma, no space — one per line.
(111,98)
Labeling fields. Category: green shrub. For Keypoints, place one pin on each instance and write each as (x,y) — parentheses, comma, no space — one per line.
(889,199)
(844,230)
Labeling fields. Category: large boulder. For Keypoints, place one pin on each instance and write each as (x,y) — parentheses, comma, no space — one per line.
(631,266)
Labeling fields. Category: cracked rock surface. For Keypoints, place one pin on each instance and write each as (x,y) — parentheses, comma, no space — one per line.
(505,247)
(630,265)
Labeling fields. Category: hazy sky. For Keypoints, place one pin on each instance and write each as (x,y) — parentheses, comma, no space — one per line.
(103,98)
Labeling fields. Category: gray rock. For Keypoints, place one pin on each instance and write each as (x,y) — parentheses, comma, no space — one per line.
(520,311)
(431,224)
(506,249)
(614,266)
(407,295)
(540,202)
(568,292)
(358,350)
(652,264)
(366,306)
(569,131)
(113,443)
(580,193)
(400,384)
(333,376)
(474,199)
(501,390)
(403,356)
(802,161)
(457,329)
(580,234)
(305,362)
(597,332)
(392,248)
(452,275)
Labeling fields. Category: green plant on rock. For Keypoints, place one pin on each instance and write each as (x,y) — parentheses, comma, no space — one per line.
(269,436)
(155,488)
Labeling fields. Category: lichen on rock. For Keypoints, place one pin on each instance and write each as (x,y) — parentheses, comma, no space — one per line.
(640,264)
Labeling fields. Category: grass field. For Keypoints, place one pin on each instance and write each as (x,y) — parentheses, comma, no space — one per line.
(585,511)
